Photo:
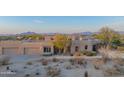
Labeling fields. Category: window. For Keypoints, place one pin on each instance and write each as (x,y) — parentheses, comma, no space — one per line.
(86,47)
(47,49)
(76,49)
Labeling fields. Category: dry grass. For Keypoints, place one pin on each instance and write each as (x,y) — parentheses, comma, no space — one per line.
(98,64)
(112,72)
(78,54)
(119,61)
(53,71)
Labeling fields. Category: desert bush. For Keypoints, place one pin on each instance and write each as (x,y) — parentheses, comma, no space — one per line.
(27,75)
(104,51)
(71,54)
(53,71)
(55,60)
(4,60)
(79,61)
(89,53)
(37,73)
(29,63)
(44,62)
(98,64)
(119,61)
(72,61)
(77,54)
(68,67)
(86,74)
(25,67)
(96,67)
(120,48)
(112,72)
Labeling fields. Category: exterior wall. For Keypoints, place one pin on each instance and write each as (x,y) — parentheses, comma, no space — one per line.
(81,44)
(23,48)
(37,47)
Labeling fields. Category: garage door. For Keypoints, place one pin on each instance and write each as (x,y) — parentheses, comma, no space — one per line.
(10,51)
(31,51)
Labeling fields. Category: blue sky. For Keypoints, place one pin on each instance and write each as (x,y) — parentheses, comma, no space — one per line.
(62,24)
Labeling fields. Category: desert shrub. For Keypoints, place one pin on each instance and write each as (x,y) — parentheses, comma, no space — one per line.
(25,67)
(121,70)
(80,61)
(98,64)
(119,61)
(71,54)
(120,48)
(29,63)
(72,61)
(77,61)
(112,72)
(68,67)
(37,73)
(53,71)
(96,67)
(89,53)
(27,75)
(44,62)
(4,60)
(55,60)
(86,74)
(104,53)
(77,54)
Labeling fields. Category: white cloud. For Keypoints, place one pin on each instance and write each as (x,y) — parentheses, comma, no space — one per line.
(38,21)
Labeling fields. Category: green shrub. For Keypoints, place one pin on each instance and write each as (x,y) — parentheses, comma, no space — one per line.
(89,53)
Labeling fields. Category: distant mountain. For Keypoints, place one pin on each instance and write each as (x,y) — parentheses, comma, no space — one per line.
(28,33)
(87,33)
(121,32)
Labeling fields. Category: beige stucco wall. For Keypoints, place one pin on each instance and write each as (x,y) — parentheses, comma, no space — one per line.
(27,48)
(81,44)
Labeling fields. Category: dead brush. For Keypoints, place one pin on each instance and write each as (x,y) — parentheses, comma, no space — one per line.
(104,51)
(98,64)
(53,71)
(44,62)
(79,61)
(119,61)
(29,63)
(55,60)
(72,61)
(111,72)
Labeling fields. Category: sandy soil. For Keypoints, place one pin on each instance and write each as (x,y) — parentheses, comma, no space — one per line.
(24,66)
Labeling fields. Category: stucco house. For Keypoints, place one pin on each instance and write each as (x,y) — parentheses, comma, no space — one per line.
(46,46)
(81,44)
(26,48)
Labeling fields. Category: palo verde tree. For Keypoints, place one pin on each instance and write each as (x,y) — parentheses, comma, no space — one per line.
(61,42)
(108,36)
